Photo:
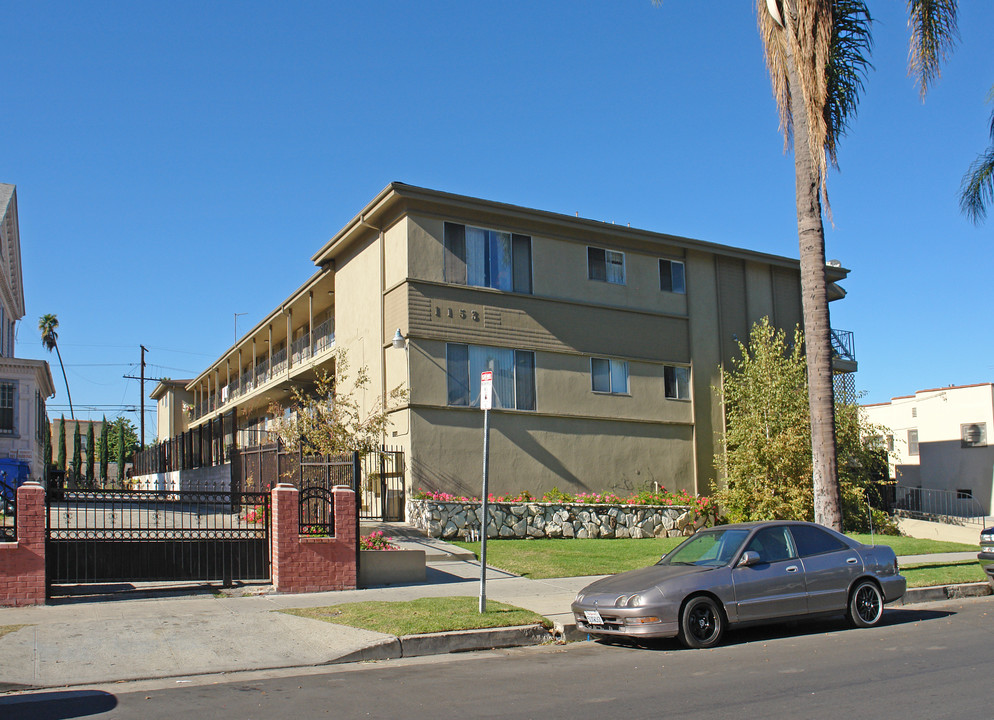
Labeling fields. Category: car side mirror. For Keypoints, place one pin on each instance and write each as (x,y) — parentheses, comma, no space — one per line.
(749,558)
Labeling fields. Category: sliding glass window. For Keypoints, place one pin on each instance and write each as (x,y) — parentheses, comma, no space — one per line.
(514,375)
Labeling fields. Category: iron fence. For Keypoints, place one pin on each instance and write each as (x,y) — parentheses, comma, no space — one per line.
(8,509)
(949,506)
(95,536)
(203,446)
(317,511)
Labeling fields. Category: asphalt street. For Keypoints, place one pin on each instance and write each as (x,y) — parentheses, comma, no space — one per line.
(925,661)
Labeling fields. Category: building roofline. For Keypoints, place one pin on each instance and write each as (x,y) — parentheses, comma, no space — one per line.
(308,284)
(397,191)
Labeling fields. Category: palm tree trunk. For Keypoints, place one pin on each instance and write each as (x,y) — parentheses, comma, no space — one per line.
(814,303)
(66,380)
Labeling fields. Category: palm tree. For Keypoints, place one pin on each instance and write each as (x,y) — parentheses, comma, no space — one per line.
(817,52)
(48,324)
(978,183)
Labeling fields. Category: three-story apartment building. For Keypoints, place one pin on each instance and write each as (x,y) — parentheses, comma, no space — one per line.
(604,342)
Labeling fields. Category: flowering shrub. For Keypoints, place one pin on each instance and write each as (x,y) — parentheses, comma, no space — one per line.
(256,514)
(376,541)
(701,506)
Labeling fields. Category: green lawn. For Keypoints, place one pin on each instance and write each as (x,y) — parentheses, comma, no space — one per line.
(916,546)
(943,574)
(424,615)
(544,558)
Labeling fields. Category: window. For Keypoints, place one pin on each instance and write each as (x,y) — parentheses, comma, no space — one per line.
(514,376)
(973,435)
(609,376)
(7,400)
(677,380)
(964,493)
(914,412)
(773,544)
(672,277)
(912,442)
(890,442)
(606,265)
(487,258)
(814,541)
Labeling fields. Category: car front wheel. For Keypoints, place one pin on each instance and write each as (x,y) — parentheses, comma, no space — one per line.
(866,605)
(702,623)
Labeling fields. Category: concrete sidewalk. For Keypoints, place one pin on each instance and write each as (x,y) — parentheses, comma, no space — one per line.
(193,631)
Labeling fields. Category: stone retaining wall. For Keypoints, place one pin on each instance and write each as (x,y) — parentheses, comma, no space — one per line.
(461,520)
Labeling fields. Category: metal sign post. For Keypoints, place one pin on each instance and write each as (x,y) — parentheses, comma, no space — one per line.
(486,400)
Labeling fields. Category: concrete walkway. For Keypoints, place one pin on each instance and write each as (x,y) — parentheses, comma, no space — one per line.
(193,631)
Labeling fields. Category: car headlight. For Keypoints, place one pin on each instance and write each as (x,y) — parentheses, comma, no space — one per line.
(628,601)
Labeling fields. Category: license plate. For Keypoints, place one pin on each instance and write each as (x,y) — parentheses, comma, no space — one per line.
(593,617)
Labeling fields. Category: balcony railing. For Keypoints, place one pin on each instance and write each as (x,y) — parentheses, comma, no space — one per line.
(301,348)
(324,336)
(261,372)
(279,362)
(843,345)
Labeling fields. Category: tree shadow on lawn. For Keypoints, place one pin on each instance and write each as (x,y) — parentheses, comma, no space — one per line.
(786,629)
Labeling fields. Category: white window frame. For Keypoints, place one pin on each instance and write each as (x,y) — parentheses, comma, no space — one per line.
(607,279)
(612,362)
(676,381)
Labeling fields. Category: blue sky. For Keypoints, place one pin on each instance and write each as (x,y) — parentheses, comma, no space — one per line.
(178,163)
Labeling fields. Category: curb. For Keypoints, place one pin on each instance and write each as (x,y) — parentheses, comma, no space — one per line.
(944,592)
(442,643)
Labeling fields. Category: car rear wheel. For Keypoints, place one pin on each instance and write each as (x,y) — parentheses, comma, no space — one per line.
(702,622)
(866,605)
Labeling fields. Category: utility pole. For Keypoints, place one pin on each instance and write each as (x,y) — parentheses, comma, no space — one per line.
(142,378)
(142,438)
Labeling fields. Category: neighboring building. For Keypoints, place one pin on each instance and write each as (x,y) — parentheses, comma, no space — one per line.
(175,404)
(604,340)
(938,440)
(25,385)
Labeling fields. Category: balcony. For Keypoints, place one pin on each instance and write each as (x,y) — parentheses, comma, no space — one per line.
(843,351)
(307,346)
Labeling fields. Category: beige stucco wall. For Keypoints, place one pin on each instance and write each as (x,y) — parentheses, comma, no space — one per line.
(536,452)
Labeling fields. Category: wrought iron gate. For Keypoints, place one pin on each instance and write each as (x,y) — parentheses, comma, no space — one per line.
(136,536)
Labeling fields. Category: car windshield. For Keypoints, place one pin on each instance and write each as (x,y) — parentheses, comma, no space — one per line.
(712,547)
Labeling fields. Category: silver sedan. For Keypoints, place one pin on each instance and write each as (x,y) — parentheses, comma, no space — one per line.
(745,573)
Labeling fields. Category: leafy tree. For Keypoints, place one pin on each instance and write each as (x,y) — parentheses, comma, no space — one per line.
(764,454)
(90,456)
(76,453)
(329,419)
(61,461)
(121,451)
(104,429)
(118,428)
(47,325)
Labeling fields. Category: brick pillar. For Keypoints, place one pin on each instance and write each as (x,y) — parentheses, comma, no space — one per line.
(22,563)
(313,564)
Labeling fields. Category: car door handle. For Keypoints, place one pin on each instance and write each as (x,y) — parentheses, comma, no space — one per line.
(851,561)
(792,568)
